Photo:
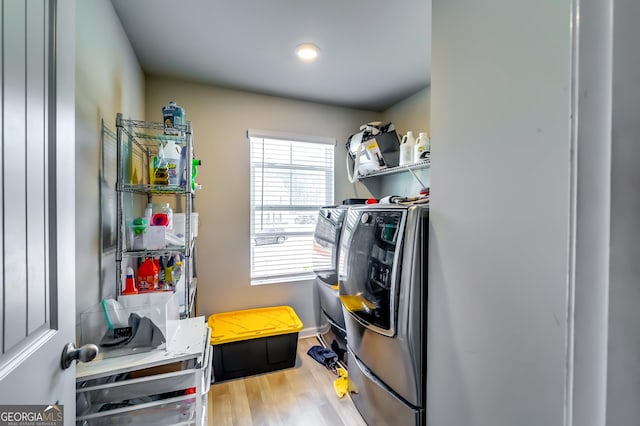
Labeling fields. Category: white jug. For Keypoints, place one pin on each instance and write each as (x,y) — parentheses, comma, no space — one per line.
(407,146)
(172,160)
(422,148)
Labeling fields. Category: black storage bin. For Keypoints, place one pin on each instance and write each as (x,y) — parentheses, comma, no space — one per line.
(253,341)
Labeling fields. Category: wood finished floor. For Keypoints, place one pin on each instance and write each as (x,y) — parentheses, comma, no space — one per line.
(302,395)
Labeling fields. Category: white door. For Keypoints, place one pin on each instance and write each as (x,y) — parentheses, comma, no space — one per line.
(37,301)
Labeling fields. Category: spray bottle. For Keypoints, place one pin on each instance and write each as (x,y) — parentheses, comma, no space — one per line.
(183,170)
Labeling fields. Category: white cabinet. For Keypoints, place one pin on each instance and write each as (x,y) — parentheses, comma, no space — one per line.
(141,181)
(161,387)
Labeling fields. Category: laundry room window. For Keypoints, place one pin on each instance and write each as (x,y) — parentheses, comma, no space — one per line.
(291,178)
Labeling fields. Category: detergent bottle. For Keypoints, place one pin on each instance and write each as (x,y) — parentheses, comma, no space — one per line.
(422,148)
(406,149)
(169,212)
(172,161)
(173,117)
(148,275)
(160,173)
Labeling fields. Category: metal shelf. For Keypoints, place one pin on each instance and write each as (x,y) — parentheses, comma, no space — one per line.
(137,143)
(155,189)
(168,251)
(149,125)
(192,299)
(424,164)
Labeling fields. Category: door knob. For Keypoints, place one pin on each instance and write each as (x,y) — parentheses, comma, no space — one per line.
(84,353)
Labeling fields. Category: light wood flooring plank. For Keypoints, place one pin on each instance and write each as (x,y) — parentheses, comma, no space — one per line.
(302,395)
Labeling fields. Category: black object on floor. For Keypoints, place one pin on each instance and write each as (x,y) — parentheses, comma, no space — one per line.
(324,356)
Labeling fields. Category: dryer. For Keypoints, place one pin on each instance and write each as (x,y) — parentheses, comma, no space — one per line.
(326,246)
(382,274)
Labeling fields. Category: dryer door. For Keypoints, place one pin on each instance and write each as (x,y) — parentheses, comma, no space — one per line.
(370,255)
(325,244)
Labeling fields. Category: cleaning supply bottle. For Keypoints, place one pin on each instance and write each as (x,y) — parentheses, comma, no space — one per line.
(172,160)
(160,175)
(423,147)
(194,172)
(148,275)
(176,274)
(173,117)
(168,272)
(183,167)
(407,148)
(162,280)
(169,211)
(148,212)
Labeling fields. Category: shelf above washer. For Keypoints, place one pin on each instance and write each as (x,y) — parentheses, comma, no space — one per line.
(424,164)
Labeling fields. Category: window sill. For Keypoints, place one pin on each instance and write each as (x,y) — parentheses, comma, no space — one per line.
(282,280)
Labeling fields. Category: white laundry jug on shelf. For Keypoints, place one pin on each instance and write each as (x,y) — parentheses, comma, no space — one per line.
(172,160)
(422,148)
(407,146)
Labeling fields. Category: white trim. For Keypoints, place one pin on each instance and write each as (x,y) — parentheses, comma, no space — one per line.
(573,196)
(270,134)
(305,333)
(303,276)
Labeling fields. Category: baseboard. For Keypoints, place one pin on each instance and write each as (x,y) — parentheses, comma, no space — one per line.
(308,332)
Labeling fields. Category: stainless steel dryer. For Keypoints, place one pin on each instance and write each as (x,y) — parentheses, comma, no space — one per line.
(326,245)
(383,288)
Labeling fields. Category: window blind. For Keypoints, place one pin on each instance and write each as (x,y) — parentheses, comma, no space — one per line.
(290,180)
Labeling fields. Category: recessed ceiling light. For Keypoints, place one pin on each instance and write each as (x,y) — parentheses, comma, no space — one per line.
(307,51)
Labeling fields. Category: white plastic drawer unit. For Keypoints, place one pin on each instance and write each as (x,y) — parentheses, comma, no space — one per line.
(171,411)
(162,387)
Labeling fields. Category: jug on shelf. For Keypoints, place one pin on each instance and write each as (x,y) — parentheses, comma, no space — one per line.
(173,117)
(407,146)
(422,148)
(172,161)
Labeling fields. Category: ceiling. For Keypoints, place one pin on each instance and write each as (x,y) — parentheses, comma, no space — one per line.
(373,53)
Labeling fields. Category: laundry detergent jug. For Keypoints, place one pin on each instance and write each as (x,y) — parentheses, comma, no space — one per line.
(422,147)
(407,147)
(172,161)
(173,117)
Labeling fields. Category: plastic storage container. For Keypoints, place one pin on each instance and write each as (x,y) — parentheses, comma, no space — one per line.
(253,341)
(161,308)
(179,224)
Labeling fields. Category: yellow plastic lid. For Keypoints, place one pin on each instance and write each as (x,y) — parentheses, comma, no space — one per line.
(234,326)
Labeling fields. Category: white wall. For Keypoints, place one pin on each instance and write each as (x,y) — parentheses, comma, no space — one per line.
(623,387)
(500,211)
(108,80)
(220,119)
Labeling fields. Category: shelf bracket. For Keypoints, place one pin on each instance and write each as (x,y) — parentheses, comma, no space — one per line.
(417,178)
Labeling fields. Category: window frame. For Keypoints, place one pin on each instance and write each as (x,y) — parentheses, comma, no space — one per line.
(330,196)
